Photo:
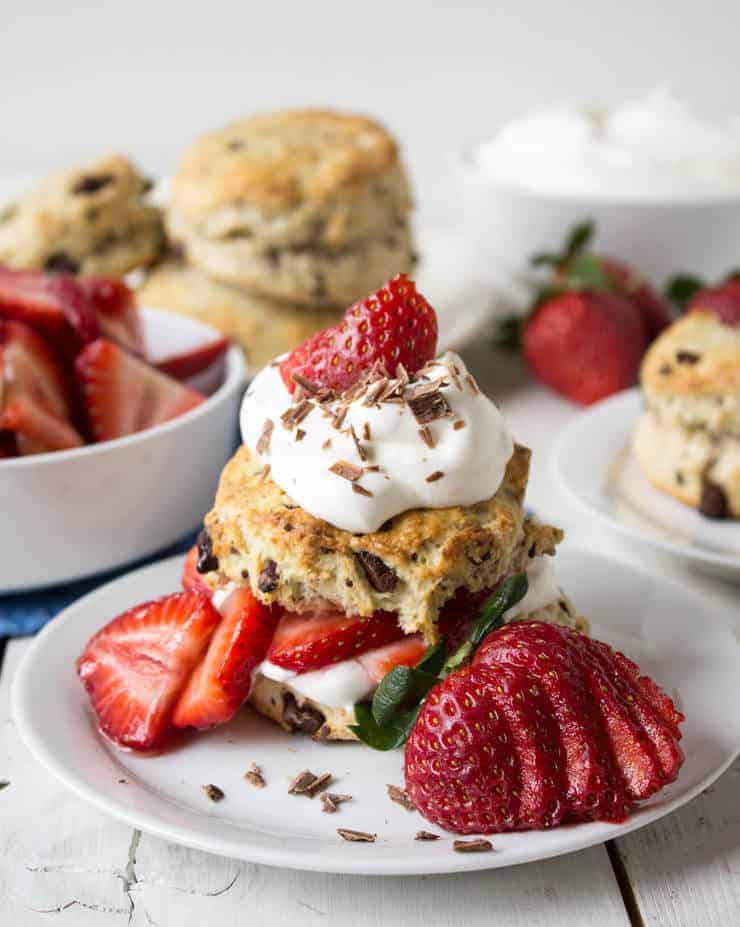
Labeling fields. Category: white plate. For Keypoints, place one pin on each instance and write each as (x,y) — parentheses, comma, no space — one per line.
(654,622)
(594,465)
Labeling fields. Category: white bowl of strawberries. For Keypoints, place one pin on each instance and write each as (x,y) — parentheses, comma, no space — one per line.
(115,423)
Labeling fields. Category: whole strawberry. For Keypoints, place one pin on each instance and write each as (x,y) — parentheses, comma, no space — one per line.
(394,326)
(584,344)
(723,300)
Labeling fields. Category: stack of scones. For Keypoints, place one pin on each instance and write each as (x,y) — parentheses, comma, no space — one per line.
(278,222)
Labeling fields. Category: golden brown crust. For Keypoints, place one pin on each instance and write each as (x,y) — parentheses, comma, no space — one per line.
(265,328)
(411,568)
(696,356)
(279,160)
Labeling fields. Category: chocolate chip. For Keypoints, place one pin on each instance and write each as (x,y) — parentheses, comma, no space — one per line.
(380,576)
(665,369)
(177,251)
(272,256)
(235,145)
(268,578)
(680,479)
(91,183)
(61,263)
(532,550)
(687,357)
(207,562)
(147,185)
(713,502)
(302,719)
(245,574)
(387,525)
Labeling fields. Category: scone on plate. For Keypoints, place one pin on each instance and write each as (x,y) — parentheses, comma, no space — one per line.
(263,327)
(688,439)
(307,206)
(93,220)
(372,511)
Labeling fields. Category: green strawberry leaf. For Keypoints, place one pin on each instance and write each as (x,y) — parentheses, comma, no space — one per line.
(403,687)
(585,272)
(433,659)
(382,737)
(575,243)
(682,288)
(508,334)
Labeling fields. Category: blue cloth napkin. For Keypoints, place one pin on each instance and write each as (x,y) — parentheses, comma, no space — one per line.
(24,613)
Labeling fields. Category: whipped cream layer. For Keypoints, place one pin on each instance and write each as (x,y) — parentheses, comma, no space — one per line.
(405,462)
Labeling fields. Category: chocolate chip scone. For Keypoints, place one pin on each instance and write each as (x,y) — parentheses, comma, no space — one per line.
(263,327)
(688,439)
(93,219)
(307,206)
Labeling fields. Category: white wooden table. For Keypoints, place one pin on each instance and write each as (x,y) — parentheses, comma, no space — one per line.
(62,862)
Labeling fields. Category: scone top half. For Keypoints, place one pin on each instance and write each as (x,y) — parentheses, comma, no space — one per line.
(290,179)
(410,567)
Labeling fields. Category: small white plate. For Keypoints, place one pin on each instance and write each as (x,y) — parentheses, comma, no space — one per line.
(670,632)
(593,463)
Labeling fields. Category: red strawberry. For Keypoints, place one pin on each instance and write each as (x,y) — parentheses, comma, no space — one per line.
(122,394)
(661,702)
(194,361)
(548,655)
(36,430)
(116,310)
(394,326)
(308,640)
(221,683)
(135,668)
(656,311)
(457,613)
(461,764)
(723,300)
(8,446)
(585,345)
(192,580)
(407,651)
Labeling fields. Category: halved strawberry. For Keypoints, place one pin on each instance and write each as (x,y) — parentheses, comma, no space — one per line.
(36,430)
(29,369)
(122,394)
(394,326)
(191,579)
(404,652)
(223,680)
(309,640)
(117,312)
(195,361)
(136,667)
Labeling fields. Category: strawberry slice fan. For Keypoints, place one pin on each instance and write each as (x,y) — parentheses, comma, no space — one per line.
(504,726)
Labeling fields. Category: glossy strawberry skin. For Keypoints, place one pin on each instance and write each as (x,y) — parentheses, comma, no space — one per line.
(656,312)
(406,651)
(585,345)
(307,641)
(722,300)
(135,668)
(395,325)
(222,681)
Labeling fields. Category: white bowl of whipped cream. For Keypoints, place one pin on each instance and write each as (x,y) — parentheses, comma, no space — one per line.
(662,186)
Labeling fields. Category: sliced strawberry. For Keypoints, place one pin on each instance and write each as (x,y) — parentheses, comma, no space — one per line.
(222,682)
(30,370)
(136,667)
(36,431)
(547,654)
(394,326)
(195,361)
(8,446)
(457,613)
(192,580)
(661,702)
(117,312)
(309,640)
(404,652)
(122,394)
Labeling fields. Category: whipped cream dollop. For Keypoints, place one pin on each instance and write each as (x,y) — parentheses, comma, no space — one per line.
(650,147)
(359,459)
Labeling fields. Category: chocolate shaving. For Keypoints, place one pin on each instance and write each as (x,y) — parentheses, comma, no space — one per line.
(311,388)
(472,846)
(472,384)
(372,468)
(263,444)
(420,389)
(332,800)
(347,470)
(688,357)
(300,434)
(339,416)
(428,407)
(374,391)
(426,835)
(400,797)
(268,578)
(366,431)
(207,561)
(433,477)
(308,783)
(360,449)
(402,374)
(380,576)
(455,375)
(326,445)
(264,473)
(254,776)
(356,836)
(459,424)
(295,414)
(360,490)
(427,437)
(213,792)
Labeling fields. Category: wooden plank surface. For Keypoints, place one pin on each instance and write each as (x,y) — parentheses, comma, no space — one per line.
(59,855)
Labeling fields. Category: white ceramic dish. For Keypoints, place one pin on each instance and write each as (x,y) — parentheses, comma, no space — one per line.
(71,514)
(653,621)
(660,236)
(592,462)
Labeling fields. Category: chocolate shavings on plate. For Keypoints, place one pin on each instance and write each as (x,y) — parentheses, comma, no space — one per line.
(356,836)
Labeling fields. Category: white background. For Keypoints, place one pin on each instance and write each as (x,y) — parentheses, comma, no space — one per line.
(78,77)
